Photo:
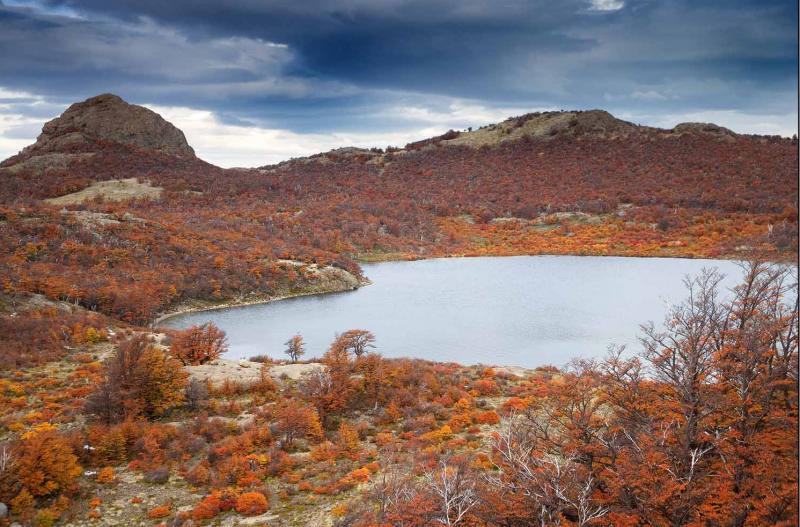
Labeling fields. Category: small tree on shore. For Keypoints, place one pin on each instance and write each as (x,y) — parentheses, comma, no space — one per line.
(358,341)
(295,347)
(199,344)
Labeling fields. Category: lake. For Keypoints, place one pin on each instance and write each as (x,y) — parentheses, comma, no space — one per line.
(523,311)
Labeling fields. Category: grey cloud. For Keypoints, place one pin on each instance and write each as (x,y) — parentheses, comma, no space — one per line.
(340,63)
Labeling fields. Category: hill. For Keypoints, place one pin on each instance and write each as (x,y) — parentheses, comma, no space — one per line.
(85,126)
(111,209)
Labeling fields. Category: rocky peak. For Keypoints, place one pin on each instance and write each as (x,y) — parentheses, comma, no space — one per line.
(108,117)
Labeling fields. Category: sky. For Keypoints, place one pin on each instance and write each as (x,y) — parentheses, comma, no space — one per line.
(254,82)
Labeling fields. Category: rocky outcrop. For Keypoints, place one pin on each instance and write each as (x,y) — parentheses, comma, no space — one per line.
(112,190)
(248,372)
(705,129)
(109,118)
(546,125)
(91,127)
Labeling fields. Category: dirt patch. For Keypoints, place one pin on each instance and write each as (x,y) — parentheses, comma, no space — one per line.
(295,371)
(112,190)
(248,372)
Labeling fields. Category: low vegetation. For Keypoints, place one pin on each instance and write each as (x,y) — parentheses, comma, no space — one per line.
(106,421)
(698,428)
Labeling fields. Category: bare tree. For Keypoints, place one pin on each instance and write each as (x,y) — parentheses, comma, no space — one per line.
(393,489)
(556,486)
(196,393)
(7,460)
(453,487)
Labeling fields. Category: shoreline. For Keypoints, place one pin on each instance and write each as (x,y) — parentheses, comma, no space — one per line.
(783,259)
(412,258)
(252,302)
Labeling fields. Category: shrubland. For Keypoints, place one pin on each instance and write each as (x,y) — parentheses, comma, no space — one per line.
(216,236)
(698,427)
(101,413)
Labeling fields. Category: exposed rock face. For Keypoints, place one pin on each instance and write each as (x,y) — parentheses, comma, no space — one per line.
(704,128)
(109,118)
(546,125)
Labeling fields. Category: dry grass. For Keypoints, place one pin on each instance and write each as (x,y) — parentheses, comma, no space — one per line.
(112,190)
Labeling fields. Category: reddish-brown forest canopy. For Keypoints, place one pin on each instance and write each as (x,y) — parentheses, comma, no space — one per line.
(215,234)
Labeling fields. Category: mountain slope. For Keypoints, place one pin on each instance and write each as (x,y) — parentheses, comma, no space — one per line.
(186,231)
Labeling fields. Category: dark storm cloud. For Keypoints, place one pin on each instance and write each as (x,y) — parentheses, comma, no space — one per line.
(312,65)
(454,47)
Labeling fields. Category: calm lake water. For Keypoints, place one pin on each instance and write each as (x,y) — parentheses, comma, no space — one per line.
(524,311)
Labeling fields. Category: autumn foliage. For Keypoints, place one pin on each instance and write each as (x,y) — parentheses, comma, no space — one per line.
(141,380)
(198,344)
(218,234)
(698,427)
(251,504)
(43,466)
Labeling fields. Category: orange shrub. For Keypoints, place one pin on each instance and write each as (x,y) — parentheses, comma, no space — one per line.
(459,421)
(489,417)
(251,504)
(207,508)
(106,475)
(46,464)
(347,438)
(199,475)
(384,438)
(482,461)
(392,413)
(162,511)
(439,435)
(22,503)
(199,344)
(360,475)
(486,387)
(324,451)
(515,403)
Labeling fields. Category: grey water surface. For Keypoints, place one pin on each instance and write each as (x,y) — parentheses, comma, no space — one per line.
(525,311)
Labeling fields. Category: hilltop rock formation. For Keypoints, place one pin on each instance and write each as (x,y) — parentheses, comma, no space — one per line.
(546,125)
(88,127)
(107,117)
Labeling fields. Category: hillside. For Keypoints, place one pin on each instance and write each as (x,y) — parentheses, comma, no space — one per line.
(548,183)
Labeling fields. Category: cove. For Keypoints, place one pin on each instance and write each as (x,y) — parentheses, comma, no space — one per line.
(524,310)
